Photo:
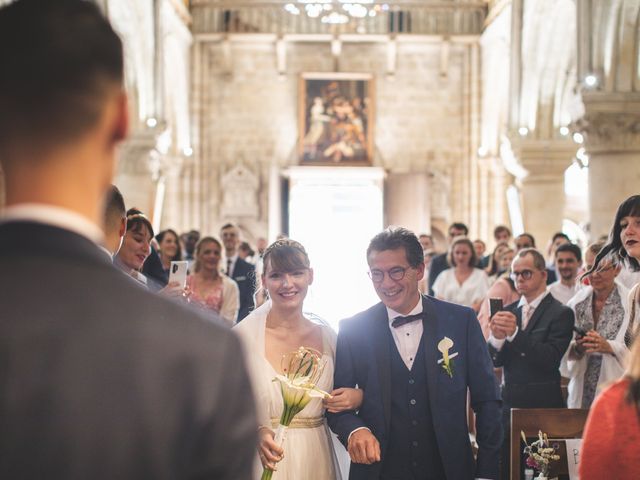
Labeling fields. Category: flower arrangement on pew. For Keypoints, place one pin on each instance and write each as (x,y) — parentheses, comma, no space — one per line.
(302,369)
(540,454)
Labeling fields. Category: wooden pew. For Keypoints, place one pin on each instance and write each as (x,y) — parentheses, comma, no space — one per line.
(555,422)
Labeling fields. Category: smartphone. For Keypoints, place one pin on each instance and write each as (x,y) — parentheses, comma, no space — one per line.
(178,272)
(580,332)
(495,305)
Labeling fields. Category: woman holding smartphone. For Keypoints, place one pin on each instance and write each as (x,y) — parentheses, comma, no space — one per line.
(209,288)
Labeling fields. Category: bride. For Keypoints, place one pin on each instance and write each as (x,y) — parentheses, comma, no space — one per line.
(275,329)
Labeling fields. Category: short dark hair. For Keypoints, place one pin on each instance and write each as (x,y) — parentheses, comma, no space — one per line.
(60,59)
(614,247)
(500,229)
(394,238)
(459,226)
(558,235)
(571,248)
(538,258)
(228,225)
(530,237)
(114,209)
(462,240)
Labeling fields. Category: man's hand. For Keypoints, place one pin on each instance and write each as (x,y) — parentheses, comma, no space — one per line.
(343,399)
(503,324)
(364,447)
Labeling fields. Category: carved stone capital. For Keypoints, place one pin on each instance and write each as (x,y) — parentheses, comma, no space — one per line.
(543,160)
(611,122)
(141,155)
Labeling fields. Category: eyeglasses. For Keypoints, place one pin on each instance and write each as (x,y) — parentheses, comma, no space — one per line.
(396,273)
(525,274)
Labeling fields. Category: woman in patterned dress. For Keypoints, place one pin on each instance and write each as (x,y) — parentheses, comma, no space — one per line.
(598,357)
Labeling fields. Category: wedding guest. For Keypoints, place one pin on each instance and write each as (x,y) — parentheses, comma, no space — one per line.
(209,288)
(568,261)
(440,263)
(499,261)
(463,284)
(277,328)
(136,245)
(623,246)
(115,221)
(528,340)
(599,356)
(480,247)
(503,288)
(612,432)
(525,240)
(246,253)
(189,240)
(168,251)
(243,273)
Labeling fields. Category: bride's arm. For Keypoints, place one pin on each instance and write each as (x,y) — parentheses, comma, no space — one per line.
(344,399)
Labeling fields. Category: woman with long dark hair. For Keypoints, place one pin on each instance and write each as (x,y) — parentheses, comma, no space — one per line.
(612,433)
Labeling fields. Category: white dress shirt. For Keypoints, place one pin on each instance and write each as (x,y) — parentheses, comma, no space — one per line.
(229,271)
(407,337)
(498,343)
(561,292)
(55,217)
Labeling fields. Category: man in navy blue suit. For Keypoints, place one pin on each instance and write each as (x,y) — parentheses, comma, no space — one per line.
(415,357)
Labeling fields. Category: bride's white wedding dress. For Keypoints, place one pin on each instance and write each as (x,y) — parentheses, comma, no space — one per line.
(309,447)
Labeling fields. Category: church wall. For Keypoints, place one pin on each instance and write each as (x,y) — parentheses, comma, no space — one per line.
(250,116)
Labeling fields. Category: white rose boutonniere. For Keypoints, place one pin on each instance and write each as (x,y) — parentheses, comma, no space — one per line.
(447,363)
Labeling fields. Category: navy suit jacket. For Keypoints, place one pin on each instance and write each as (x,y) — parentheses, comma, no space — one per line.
(363,358)
(244,275)
(100,379)
(531,361)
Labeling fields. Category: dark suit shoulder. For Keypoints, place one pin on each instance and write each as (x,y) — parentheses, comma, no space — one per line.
(452,312)
(364,318)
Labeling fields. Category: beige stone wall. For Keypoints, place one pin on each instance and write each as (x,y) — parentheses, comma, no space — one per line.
(247,114)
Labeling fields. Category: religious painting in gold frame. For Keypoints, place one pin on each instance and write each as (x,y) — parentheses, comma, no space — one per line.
(336,119)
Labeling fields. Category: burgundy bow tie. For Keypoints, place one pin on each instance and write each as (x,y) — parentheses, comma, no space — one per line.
(399,321)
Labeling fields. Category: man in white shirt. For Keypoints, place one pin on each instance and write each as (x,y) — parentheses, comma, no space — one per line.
(242,272)
(100,379)
(568,258)
(416,357)
(528,339)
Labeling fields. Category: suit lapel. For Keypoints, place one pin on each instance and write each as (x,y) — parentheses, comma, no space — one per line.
(538,313)
(382,351)
(430,346)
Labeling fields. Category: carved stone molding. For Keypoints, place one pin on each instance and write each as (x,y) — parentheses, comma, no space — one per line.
(543,160)
(611,123)
(239,193)
(141,156)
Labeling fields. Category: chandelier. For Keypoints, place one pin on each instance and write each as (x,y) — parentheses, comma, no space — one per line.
(335,11)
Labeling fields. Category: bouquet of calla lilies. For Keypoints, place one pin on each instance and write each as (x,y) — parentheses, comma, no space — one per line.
(302,370)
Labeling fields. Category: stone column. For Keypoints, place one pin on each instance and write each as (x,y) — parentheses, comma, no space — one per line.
(136,175)
(542,188)
(611,129)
